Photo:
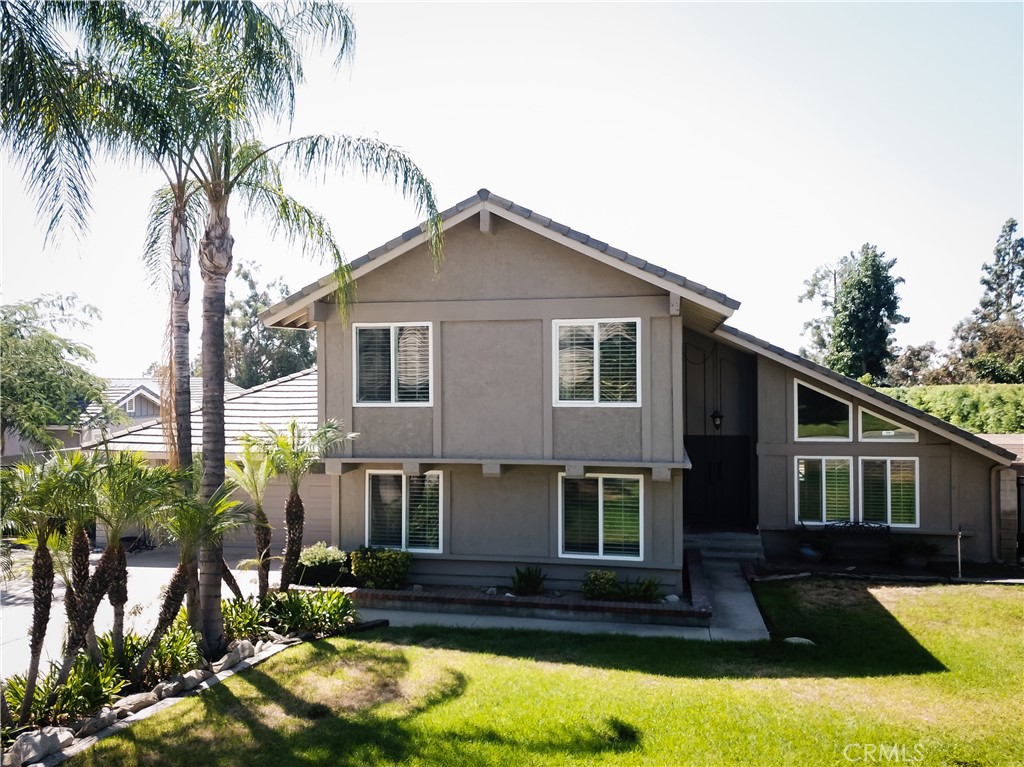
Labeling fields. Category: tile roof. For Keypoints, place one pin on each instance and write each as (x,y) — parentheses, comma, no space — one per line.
(119,389)
(485,195)
(822,372)
(246,411)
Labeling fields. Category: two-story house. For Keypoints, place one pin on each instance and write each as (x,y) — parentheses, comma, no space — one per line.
(545,398)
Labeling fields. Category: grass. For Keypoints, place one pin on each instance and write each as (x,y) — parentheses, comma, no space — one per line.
(899,675)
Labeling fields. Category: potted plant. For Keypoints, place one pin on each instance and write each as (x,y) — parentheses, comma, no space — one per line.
(321,565)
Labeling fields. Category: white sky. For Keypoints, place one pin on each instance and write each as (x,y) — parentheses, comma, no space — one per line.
(740,145)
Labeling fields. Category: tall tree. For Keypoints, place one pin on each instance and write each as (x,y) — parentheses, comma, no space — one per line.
(236,163)
(45,382)
(988,346)
(254,353)
(822,287)
(292,452)
(864,316)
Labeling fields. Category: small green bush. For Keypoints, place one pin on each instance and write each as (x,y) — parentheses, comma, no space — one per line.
(599,584)
(89,687)
(322,554)
(984,408)
(642,590)
(244,619)
(324,613)
(177,652)
(528,581)
(380,568)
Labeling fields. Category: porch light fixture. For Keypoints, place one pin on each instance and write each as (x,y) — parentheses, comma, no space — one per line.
(716,419)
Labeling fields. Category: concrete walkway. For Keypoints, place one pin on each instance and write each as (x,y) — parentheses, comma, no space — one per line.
(735,617)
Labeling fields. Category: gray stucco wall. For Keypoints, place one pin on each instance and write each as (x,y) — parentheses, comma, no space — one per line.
(954,482)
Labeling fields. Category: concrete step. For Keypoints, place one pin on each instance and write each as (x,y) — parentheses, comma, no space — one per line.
(726,545)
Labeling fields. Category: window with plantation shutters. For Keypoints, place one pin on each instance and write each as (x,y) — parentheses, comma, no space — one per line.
(889,491)
(601,516)
(597,362)
(402,511)
(392,364)
(824,490)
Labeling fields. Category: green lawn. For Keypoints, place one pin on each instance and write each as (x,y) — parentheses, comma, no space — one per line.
(900,675)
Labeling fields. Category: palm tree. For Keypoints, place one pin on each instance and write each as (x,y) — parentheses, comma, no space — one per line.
(252,474)
(44,496)
(293,452)
(131,494)
(191,523)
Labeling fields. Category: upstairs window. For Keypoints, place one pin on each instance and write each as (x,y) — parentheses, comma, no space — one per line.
(876,428)
(597,362)
(393,364)
(820,417)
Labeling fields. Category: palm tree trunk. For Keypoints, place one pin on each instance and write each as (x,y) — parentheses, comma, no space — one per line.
(263,543)
(294,518)
(168,612)
(118,596)
(6,718)
(229,580)
(192,609)
(42,598)
(215,264)
(181,289)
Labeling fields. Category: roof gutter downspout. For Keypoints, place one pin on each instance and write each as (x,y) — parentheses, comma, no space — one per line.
(995,502)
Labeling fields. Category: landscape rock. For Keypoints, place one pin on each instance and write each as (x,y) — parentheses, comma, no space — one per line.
(246,649)
(101,721)
(33,746)
(229,660)
(491,591)
(275,636)
(168,689)
(136,702)
(798,640)
(11,758)
(417,588)
(192,679)
(672,598)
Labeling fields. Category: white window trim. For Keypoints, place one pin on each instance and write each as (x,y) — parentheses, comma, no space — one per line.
(824,510)
(405,509)
(888,488)
(796,414)
(595,402)
(394,365)
(600,519)
(129,406)
(862,438)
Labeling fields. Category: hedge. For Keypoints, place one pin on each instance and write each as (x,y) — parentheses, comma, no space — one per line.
(978,408)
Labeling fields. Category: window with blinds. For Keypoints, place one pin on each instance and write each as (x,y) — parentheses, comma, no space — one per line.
(889,491)
(598,362)
(601,517)
(392,364)
(404,512)
(823,490)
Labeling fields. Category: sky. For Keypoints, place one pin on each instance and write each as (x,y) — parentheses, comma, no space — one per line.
(740,145)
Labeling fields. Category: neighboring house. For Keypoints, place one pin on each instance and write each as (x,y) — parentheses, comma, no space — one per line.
(138,399)
(246,412)
(545,398)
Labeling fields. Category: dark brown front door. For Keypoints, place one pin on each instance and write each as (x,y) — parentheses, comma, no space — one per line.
(717,490)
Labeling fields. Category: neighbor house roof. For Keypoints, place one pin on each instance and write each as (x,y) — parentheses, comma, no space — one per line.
(293,311)
(120,390)
(885,403)
(246,412)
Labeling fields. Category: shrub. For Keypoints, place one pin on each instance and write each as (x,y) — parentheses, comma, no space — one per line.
(599,584)
(177,652)
(380,568)
(528,581)
(642,590)
(244,619)
(322,612)
(985,408)
(322,554)
(88,688)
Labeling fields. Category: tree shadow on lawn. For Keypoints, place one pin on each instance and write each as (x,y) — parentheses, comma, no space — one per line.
(253,720)
(854,636)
